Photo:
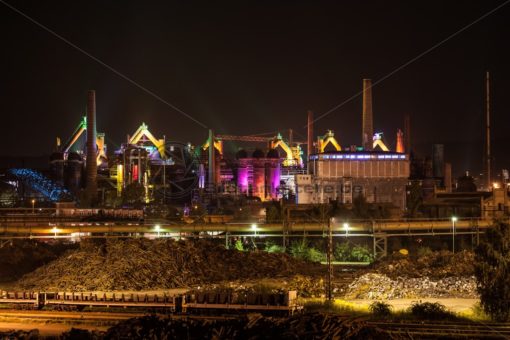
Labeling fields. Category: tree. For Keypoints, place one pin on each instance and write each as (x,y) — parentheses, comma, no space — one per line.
(492,271)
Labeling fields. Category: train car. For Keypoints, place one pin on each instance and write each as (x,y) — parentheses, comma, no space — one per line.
(212,302)
(192,302)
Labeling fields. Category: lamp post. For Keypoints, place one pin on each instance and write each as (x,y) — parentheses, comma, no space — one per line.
(254,228)
(157,228)
(454,219)
(33,206)
(55,230)
(330,260)
(346,228)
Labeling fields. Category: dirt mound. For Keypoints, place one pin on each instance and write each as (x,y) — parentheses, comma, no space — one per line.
(18,257)
(435,265)
(141,264)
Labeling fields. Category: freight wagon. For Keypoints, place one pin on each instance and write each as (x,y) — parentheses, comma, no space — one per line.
(192,303)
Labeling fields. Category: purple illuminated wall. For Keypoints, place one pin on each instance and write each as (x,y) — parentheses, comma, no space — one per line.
(242,178)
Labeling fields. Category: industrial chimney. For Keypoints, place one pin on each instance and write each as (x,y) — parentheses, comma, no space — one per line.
(368,124)
(488,133)
(400,142)
(212,164)
(309,141)
(91,189)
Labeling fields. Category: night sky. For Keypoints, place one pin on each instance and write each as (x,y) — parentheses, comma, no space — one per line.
(249,69)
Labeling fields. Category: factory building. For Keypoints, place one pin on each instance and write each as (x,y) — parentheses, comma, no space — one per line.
(381,177)
(259,175)
(371,171)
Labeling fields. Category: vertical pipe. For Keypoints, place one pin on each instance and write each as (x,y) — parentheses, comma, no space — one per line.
(309,145)
(212,164)
(489,179)
(367,116)
(91,189)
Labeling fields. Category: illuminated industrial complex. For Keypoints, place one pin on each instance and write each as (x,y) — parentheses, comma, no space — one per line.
(317,170)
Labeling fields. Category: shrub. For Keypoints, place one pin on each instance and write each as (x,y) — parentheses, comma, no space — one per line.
(302,250)
(380,309)
(271,247)
(346,252)
(298,249)
(430,311)
(315,255)
(239,245)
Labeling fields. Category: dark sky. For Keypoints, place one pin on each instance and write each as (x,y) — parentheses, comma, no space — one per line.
(248,69)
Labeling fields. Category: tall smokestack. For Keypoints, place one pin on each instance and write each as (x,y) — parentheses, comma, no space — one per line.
(407,134)
(400,142)
(309,141)
(448,177)
(488,134)
(368,124)
(438,160)
(91,190)
(212,164)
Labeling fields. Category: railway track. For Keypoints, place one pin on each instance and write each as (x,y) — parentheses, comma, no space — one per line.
(452,330)
(412,330)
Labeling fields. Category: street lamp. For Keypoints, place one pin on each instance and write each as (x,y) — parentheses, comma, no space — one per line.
(55,230)
(346,228)
(254,228)
(33,206)
(157,228)
(454,219)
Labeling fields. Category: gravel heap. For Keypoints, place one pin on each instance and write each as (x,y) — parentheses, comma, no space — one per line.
(142,264)
(380,286)
(435,265)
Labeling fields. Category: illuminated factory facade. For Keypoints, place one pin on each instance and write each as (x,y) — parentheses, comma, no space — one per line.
(380,177)
(371,171)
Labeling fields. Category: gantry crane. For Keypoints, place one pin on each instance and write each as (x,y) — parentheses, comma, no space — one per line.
(143,131)
(293,154)
(378,142)
(328,138)
(80,129)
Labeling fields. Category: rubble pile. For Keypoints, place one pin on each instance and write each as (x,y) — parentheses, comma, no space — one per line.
(380,286)
(434,265)
(18,257)
(252,326)
(433,274)
(142,264)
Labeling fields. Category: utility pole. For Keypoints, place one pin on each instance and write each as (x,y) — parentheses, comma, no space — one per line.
(164,170)
(487,83)
(330,260)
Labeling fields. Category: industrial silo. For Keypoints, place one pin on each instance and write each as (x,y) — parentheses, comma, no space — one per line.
(73,172)
(259,174)
(272,180)
(57,167)
(242,171)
